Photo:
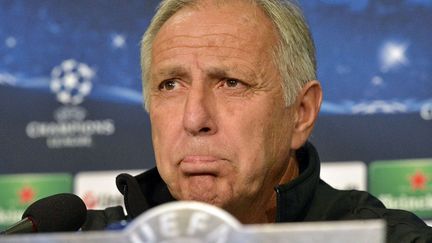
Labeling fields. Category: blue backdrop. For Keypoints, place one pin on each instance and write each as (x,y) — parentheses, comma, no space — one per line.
(70,89)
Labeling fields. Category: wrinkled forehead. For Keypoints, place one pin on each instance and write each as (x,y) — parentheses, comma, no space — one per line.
(247,10)
(236,21)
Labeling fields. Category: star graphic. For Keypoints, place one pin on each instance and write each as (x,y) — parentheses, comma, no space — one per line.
(393,55)
(11,42)
(118,41)
(26,194)
(418,181)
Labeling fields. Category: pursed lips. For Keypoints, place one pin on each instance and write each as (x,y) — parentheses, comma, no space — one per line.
(200,164)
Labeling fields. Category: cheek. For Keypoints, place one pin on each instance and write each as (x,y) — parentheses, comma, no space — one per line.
(263,139)
(163,155)
(279,140)
(163,137)
(248,135)
(157,130)
(165,121)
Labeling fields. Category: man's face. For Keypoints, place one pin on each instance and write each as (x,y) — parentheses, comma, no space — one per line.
(220,128)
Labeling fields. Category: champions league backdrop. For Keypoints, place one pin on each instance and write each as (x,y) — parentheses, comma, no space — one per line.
(70,95)
(70,86)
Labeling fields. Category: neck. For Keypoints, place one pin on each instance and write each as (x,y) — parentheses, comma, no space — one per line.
(290,174)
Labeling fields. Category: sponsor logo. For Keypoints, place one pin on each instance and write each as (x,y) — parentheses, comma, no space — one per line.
(403,184)
(98,189)
(9,216)
(26,194)
(94,200)
(18,191)
(71,82)
(345,175)
(411,203)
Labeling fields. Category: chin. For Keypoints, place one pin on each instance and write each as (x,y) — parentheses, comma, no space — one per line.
(210,201)
(203,196)
(206,189)
(210,197)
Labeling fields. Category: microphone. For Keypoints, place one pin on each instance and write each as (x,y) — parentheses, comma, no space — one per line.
(56,213)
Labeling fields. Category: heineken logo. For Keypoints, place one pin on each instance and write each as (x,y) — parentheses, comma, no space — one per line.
(18,191)
(418,180)
(26,194)
(403,184)
(411,203)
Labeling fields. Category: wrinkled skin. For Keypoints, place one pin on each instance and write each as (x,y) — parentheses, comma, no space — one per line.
(221,131)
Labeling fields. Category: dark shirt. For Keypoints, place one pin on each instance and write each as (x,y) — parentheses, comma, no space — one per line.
(304,199)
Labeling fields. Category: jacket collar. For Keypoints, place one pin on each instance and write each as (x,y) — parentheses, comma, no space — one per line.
(143,191)
(294,197)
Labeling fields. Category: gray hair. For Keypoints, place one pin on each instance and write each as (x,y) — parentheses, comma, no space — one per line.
(294,55)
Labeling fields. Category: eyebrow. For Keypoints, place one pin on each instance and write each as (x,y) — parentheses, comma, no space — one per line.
(214,73)
(211,73)
(172,71)
(179,71)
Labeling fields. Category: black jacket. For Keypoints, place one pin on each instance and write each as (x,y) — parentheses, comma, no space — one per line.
(306,198)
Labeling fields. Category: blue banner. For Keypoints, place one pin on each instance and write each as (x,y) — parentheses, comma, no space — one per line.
(70,82)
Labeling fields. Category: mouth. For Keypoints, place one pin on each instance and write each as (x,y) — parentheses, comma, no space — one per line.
(200,165)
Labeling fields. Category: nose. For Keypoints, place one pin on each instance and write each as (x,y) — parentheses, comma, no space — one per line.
(198,119)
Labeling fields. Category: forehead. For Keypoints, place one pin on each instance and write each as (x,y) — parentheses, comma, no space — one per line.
(236,24)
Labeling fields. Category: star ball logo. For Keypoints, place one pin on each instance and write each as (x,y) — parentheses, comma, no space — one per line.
(71,82)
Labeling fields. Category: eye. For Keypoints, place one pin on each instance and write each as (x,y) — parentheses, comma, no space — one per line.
(232,83)
(168,85)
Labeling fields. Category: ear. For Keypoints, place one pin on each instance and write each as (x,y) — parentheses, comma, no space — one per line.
(306,109)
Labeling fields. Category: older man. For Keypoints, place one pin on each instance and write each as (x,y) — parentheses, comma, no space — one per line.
(231,90)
